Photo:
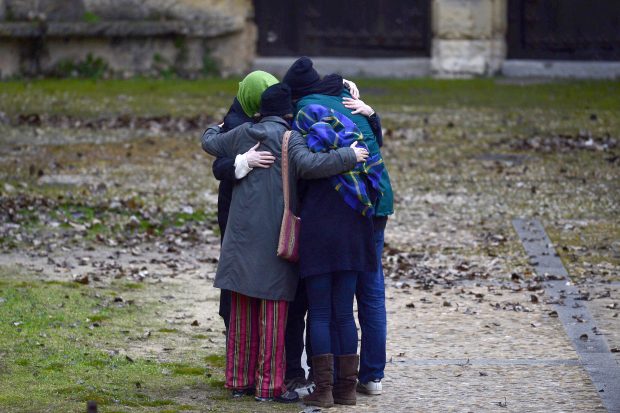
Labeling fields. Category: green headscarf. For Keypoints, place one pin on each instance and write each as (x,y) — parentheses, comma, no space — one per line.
(251,88)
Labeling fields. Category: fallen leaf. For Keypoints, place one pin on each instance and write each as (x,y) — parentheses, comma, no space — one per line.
(81,279)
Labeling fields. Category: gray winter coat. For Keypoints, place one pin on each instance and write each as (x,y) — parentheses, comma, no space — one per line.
(248,261)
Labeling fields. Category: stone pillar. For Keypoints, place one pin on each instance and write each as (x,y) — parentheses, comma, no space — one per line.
(469,37)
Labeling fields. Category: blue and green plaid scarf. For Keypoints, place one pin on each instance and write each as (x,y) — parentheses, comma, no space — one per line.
(326,129)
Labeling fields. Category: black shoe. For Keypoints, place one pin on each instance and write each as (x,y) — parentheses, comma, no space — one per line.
(236,393)
(288,396)
(297,383)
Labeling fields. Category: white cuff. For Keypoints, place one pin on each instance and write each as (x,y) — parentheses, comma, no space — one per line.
(241,166)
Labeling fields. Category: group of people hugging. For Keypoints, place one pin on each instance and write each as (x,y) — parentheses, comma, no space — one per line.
(340,189)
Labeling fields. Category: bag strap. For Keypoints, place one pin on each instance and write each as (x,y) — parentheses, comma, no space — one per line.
(285,185)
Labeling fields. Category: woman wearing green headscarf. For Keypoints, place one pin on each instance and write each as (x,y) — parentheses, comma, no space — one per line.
(251,88)
(228,170)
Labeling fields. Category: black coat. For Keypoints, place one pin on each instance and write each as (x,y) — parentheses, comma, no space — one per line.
(333,236)
(224,168)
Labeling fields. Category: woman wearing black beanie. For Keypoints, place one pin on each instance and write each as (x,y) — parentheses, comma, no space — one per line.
(308,90)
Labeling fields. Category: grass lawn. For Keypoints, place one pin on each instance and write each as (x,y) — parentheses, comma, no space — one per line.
(96,98)
(59,348)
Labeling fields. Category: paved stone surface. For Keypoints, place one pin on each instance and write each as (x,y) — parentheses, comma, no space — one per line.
(475,389)
(490,346)
(580,326)
(446,361)
(605,311)
(432,330)
(469,356)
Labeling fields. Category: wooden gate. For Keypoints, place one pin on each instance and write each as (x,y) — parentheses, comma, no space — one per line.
(564,29)
(371,28)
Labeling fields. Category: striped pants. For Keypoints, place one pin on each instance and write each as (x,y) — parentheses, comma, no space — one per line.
(255,345)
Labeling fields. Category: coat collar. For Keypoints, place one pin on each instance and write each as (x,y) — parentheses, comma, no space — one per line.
(276,119)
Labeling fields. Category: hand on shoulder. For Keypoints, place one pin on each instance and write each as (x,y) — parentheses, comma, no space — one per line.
(357,106)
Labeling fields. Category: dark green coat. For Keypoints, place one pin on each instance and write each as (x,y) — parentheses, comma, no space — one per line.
(248,261)
(384,205)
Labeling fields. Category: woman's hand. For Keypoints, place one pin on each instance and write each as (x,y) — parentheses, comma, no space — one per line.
(259,159)
(352,88)
(361,154)
(358,106)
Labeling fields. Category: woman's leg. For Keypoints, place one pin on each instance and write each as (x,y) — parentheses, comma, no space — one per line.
(319,291)
(295,326)
(343,292)
(242,342)
(373,320)
(347,361)
(271,358)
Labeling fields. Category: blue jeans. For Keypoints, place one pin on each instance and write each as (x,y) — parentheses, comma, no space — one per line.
(330,312)
(372,317)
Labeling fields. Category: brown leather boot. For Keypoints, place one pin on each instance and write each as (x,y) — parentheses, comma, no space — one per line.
(323,371)
(346,379)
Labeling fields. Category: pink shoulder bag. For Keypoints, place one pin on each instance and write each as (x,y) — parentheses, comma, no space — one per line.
(288,244)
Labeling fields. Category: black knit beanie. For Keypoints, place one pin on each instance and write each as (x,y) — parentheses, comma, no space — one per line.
(276,101)
(301,76)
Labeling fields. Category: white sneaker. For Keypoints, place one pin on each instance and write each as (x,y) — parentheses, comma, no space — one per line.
(372,388)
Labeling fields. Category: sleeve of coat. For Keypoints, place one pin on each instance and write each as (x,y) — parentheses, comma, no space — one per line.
(375,125)
(219,144)
(310,165)
(224,169)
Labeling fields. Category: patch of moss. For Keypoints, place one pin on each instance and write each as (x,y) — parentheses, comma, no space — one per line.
(156,403)
(92,67)
(132,286)
(217,383)
(90,17)
(45,346)
(66,284)
(188,370)
(215,360)
(98,317)
(168,330)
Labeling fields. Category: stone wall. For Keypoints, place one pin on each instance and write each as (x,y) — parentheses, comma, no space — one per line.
(196,36)
(468,37)
(130,36)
